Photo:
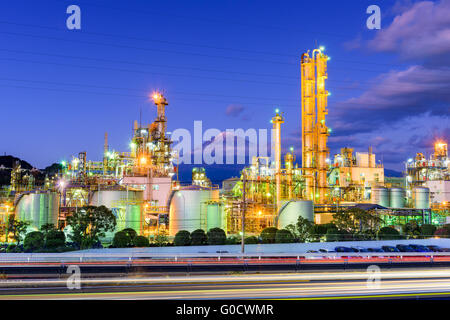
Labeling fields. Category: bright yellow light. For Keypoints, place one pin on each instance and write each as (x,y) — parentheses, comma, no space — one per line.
(259,213)
(143,160)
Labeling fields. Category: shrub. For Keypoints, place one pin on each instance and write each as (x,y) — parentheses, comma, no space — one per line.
(12,248)
(130,233)
(388,233)
(141,241)
(251,240)
(233,240)
(216,236)
(198,237)
(442,232)
(182,238)
(121,240)
(284,236)
(268,235)
(33,241)
(55,238)
(336,235)
(427,229)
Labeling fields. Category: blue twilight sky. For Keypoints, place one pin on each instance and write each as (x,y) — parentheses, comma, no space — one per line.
(227,63)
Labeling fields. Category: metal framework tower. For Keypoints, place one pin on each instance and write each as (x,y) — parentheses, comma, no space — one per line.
(314,130)
(277,120)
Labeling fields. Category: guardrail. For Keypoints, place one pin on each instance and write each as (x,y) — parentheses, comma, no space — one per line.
(136,256)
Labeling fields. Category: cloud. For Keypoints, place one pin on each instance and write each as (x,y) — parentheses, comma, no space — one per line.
(396,96)
(234,110)
(421,31)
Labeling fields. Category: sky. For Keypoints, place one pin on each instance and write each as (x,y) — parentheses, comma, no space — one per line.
(226,63)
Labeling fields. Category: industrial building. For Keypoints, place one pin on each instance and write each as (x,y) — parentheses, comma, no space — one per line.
(142,189)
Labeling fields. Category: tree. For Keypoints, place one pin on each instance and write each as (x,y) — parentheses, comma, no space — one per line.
(268,235)
(46,228)
(17,228)
(304,228)
(55,238)
(216,236)
(319,230)
(284,236)
(356,220)
(141,241)
(182,238)
(388,233)
(89,223)
(337,235)
(411,229)
(33,241)
(198,237)
(121,240)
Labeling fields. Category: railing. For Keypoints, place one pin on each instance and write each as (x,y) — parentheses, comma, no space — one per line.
(208,257)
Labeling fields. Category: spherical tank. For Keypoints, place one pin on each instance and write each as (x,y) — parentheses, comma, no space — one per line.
(397,197)
(38,209)
(380,195)
(188,209)
(291,210)
(421,196)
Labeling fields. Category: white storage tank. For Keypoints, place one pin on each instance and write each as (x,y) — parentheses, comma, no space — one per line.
(291,210)
(421,197)
(380,196)
(215,217)
(38,209)
(128,215)
(188,208)
(397,197)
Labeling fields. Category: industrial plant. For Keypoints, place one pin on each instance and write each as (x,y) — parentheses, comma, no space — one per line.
(143,190)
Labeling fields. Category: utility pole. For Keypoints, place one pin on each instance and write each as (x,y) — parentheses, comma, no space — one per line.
(244,183)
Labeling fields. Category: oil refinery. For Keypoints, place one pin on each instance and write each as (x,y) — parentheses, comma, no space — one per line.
(142,188)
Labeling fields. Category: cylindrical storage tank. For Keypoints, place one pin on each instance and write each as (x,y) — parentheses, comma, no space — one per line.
(38,209)
(397,197)
(128,215)
(380,196)
(188,209)
(421,197)
(112,198)
(133,217)
(215,216)
(291,210)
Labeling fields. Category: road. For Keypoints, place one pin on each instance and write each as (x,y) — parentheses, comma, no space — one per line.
(406,283)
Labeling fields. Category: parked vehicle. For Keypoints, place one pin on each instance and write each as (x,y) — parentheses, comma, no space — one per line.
(405,248)
(360,249)
(389,249)
(420,248)
(435,248)
(375,250)
(343,249)
(326,250)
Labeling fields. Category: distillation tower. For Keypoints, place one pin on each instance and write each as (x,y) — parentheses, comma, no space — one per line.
(314,130)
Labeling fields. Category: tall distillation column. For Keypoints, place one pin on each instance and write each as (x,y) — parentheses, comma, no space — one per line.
(277,120)
(314,130)
(161,152)
(321,129)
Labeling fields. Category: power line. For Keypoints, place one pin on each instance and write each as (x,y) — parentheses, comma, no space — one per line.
(189,44)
